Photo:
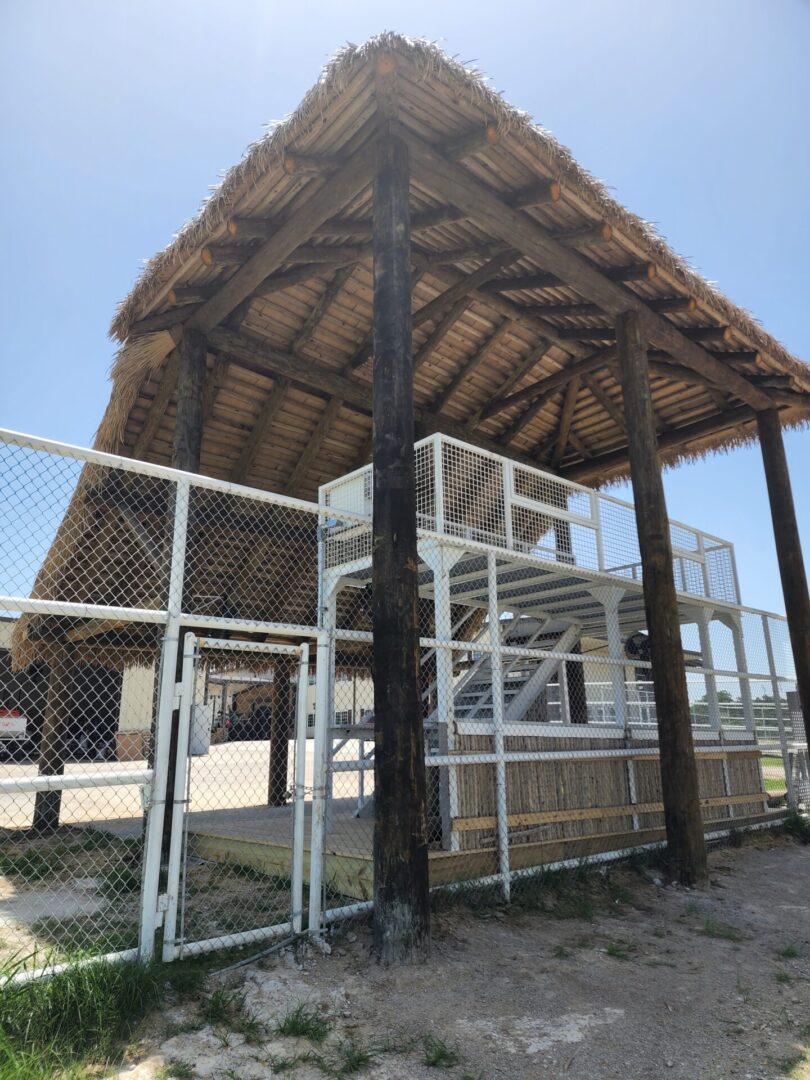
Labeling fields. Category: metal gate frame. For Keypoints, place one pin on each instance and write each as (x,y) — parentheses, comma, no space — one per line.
(175,947)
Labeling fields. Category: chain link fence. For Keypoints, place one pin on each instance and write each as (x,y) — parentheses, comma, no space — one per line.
(227,796)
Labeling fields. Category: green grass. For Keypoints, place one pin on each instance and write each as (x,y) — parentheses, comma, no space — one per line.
(437,1054)
(790,952)
(119,882)
(796,826)
(788,1065)
(80,1014)
(620,950)
(305,1022)
(725,931)
(226,1010)
(351,1058)
(783,978)
(175,1069)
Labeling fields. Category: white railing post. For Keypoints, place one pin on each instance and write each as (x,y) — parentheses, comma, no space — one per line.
(299,789)
(153,841)
(319,781)
(441,558)
(703,620)
(780,717)
(596,514)
(498,745)
(179,807)
(438,484)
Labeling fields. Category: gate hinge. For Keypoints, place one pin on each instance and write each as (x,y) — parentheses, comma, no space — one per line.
(162,908)
(178,695)
(146,796)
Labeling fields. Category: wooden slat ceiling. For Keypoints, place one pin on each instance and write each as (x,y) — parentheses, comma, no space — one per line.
(514,295)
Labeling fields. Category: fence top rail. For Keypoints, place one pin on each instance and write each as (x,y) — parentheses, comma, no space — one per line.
(164,472)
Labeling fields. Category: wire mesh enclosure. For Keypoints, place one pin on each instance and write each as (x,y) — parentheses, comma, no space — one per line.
(187,722)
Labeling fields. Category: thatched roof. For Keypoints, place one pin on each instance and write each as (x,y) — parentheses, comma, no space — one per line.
(321,320)
(521,262)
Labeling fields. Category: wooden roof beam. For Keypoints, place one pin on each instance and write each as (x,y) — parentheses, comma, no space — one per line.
(440,332)
(668,440)
(328,297)
(566,419)
(608,333)
(466,284)
(612,408)
(343,186)
(470,365)
(453,182)
(314,444)
(587,364)
(516,376)
(264,421)
(546,280)
(471,142)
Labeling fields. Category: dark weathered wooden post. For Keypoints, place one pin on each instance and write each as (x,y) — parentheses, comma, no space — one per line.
(401,889)
(281,713)
(788,550)
(679,779)
(186,450)
(48,804)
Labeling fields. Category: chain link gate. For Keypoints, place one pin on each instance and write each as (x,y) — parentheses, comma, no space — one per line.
(236,855)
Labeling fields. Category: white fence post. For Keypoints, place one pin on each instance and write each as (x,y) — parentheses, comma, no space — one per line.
(153,841)
(299,807)
(319,782)
(179,808)
(496,668)
(780,717)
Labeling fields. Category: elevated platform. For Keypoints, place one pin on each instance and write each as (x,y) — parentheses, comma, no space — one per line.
(260,838)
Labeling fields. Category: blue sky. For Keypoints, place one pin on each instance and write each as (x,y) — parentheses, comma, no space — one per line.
(116,118)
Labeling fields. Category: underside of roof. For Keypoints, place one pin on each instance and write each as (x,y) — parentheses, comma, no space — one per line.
(521,262)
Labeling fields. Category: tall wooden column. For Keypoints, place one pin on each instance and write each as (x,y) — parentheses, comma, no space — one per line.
(186,456)
(788,550)
(48,804)
(679,779)
(401,890)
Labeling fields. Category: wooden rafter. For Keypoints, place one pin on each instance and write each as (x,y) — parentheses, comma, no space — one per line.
(470,365)
(566,420)
(463,287)
(440,332)
(553,382)
(448,180)
(523,368)
(611,407)
(160,402)
(313,447)
(326,300)
(267,414)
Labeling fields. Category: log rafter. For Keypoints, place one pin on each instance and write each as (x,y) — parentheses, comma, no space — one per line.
(448,180)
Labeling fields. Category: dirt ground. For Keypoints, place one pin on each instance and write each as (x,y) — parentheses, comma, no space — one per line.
(659,982)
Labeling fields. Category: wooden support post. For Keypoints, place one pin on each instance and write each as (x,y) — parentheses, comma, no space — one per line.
(679,779)
(401,888)
(788,550)
(282,712)
(186,456)
(47,804)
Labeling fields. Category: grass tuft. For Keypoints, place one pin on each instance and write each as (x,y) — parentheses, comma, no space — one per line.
(175,1069)
(620,949)
(790,952)
(352,1058)
(724,931)
(226,1010)
(305,1022)
(437,1054)
(797,826)
(85,1011)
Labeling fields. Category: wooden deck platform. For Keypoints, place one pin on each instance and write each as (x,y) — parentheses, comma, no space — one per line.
(261,837)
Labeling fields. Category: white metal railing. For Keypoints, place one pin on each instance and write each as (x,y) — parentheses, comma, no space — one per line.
(469,493)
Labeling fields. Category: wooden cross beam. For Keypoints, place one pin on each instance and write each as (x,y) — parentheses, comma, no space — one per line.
(470,365)
(566,419)
(450,181)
